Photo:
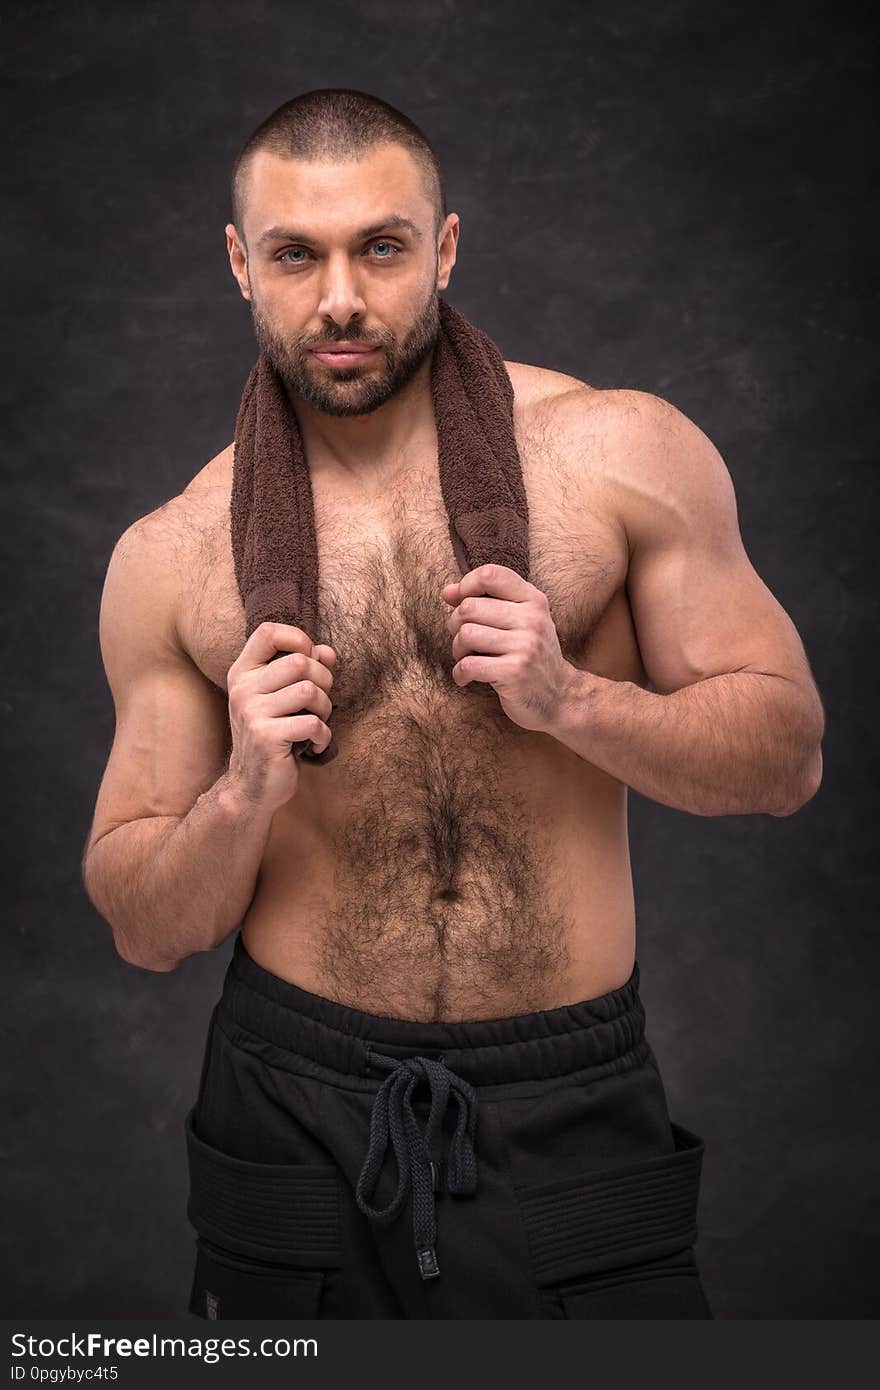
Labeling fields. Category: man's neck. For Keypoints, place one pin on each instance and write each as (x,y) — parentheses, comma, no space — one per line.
(369,447)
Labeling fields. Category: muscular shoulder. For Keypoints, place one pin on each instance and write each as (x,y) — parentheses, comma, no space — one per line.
(547,407)
(167,550)
(657,463)
(566,422)
(642,448)
(568,407)
(635,455)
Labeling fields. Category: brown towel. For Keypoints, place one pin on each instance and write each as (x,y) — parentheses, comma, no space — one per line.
(272,512)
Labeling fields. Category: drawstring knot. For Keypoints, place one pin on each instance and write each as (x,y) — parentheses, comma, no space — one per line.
(393,1116)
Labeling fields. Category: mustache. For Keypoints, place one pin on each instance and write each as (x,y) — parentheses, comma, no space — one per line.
(341,335)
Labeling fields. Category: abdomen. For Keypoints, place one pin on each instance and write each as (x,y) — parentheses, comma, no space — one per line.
(451,870)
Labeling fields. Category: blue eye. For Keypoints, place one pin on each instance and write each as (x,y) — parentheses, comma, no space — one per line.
(298,255)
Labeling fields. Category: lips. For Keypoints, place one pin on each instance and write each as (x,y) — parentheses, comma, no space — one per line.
(344,354)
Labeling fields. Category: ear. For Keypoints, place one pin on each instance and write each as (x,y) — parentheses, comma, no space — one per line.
(238,259)
(447,243)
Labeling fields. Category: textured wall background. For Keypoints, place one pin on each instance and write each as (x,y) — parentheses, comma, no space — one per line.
(675,197)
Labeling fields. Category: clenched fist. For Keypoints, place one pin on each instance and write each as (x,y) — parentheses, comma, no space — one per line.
(278,695)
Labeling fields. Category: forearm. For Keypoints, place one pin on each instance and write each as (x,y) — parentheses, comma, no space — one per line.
(170,886)
(733,744)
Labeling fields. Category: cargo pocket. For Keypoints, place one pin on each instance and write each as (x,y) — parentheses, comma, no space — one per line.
(267,1233)
(618,1242)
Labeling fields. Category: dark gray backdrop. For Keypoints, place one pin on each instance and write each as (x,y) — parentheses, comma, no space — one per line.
(672,197)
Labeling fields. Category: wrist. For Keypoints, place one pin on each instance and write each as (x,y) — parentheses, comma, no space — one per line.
(237,801)
(577,694)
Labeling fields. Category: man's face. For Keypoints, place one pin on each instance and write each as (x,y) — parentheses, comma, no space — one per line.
(343,255)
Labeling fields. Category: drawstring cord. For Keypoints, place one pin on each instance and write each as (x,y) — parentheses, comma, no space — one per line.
(393,1116)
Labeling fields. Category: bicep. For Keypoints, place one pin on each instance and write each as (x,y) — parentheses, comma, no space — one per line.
(699,607)
(172,728)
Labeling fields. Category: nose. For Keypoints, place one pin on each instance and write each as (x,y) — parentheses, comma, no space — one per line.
(341,298)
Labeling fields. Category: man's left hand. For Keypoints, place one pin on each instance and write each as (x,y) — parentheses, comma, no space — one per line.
(508,639)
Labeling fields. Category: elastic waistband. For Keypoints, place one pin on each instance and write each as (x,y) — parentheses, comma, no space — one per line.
(523,1047)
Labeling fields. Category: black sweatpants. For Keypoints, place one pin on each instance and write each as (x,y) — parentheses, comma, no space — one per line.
(345,1165)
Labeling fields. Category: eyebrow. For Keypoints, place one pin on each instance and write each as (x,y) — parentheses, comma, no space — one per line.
(396,220)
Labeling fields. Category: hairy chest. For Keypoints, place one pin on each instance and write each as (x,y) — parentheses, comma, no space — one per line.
(383,560)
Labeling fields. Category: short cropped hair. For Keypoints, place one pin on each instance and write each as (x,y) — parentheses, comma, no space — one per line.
(336,122)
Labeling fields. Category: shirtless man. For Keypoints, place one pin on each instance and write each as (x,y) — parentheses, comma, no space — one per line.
(418,908)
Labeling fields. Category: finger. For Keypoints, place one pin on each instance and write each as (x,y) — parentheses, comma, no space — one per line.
(497,580)
(267,640)
(480,668)
(306,729)
(474,638)
(290,699)
(324,654)
(288,670)
(494,612)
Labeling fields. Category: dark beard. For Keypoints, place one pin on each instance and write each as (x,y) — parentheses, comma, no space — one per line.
(350,390)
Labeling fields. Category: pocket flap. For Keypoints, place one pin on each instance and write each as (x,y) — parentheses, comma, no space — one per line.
(223,1289)
(286,1212)
(614,1216)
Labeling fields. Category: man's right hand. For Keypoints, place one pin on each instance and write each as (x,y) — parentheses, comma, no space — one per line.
(274,703)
